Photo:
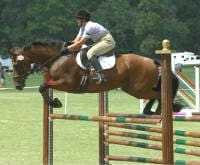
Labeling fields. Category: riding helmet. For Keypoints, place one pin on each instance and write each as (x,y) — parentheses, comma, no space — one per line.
(83,14)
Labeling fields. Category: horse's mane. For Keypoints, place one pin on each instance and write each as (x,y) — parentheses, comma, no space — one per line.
(44,43)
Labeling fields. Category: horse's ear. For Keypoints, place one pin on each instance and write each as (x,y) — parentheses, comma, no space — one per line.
(13,50)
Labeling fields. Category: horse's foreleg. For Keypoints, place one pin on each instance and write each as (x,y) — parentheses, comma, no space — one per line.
(148,106)
(43,89)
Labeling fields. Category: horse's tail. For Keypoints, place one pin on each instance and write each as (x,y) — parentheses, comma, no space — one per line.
(177,105)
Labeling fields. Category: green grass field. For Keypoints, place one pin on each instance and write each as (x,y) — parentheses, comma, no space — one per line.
(75,142)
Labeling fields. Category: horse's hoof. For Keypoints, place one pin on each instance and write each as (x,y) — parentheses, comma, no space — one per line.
(56,103)
(148,113)
(156,113)
(151,113)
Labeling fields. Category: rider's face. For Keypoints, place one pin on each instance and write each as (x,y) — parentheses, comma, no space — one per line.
(79,21)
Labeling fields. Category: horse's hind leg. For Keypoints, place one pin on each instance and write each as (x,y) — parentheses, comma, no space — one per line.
(176,107)
(175,83)
(148,106)
(53,102)
(158,109)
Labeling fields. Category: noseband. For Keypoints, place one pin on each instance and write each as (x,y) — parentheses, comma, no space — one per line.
(21,73)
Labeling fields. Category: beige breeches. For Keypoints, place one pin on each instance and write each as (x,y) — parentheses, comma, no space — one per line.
(105,44)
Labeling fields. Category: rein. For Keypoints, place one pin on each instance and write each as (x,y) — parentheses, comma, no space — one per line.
(56,56)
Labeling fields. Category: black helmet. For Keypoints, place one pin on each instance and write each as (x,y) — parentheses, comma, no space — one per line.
(83,14)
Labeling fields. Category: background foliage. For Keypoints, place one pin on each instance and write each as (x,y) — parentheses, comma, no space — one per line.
(137,25)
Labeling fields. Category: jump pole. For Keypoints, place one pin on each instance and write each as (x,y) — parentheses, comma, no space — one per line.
(166,103)
(47,128)
(103,110)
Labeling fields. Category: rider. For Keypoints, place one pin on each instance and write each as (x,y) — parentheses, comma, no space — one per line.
(102,38)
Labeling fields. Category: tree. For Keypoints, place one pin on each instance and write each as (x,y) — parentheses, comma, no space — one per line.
(12,23)
(118,17)
(137,25)
(24,21)
(156,21)
(189,13)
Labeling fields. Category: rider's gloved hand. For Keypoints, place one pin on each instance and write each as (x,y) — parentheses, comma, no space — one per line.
(64,50)
(70,42)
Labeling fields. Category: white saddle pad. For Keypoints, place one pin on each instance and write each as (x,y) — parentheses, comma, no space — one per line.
(106,62)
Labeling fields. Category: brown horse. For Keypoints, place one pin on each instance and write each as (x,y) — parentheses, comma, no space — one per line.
(134,74)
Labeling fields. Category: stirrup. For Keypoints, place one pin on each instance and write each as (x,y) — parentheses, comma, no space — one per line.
(99,77)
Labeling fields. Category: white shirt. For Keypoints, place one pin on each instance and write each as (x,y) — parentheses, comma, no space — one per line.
(92,30)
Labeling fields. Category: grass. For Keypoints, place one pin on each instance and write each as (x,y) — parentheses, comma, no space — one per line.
(75,142)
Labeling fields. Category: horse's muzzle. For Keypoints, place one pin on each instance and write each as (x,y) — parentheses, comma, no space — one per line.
(18,87)
(19,83)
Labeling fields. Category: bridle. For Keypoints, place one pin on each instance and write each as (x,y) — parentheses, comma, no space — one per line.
(21,74)
(19,64)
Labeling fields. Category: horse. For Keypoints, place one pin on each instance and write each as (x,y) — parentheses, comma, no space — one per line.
(136,75)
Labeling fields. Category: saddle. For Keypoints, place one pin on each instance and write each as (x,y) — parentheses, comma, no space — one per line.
(107,60)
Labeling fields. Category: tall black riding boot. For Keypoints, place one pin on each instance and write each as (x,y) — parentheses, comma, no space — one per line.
(100,75)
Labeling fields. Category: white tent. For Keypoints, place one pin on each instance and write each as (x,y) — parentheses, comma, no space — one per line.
(6,63)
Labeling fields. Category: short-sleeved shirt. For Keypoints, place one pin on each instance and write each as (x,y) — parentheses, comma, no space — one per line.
(92,30)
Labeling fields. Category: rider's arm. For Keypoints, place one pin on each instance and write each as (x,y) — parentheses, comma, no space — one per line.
(77,45)
(76,39)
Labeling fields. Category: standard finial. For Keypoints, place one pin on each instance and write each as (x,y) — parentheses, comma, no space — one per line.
(166,48)
(166,44)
